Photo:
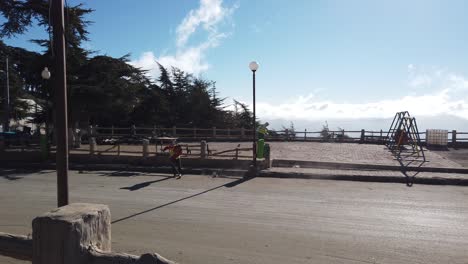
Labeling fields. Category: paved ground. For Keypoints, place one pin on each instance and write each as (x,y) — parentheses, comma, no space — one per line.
(350,153)
(373,173)
(200,219)
(311,151)
(459,156)
(329,152)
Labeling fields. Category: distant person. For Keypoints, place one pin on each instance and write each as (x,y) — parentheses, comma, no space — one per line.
(175,150)
(401,137)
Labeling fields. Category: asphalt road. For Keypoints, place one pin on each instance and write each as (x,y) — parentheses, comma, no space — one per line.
(200,219)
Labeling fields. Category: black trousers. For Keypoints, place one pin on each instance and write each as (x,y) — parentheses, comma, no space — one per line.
(176,166)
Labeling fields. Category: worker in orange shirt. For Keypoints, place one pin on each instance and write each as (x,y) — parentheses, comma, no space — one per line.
(175,150)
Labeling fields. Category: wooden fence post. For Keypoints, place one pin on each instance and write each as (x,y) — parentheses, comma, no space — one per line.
(145,148)
(242,132)
(454,138)
(287,134)
(203,149)
(3,143)
(363,135)
(92,145)
(268,155)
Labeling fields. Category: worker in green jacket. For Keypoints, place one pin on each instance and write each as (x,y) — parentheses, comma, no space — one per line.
(262,131)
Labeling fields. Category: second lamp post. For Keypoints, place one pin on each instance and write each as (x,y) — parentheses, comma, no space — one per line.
(254,67)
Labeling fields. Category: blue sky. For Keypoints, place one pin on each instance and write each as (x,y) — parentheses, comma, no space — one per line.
(318,59)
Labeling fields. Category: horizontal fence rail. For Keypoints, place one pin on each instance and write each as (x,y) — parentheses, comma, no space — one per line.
(242,134)
(159,136)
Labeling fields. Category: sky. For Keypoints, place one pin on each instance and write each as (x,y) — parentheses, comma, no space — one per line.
(319,60)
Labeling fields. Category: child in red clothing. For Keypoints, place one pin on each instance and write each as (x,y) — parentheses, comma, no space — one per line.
(175,150)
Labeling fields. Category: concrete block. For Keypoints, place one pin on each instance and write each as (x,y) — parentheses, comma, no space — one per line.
(64,234)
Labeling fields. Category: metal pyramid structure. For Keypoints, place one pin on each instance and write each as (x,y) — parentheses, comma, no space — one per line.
(403,138)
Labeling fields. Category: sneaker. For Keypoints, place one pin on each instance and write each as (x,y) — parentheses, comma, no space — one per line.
(179,176)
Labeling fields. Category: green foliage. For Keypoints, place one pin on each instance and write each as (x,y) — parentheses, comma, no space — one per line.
(23,14)
(103,90)
(325,133)
(342,136)
(241,117)
(22,80)
(291,130)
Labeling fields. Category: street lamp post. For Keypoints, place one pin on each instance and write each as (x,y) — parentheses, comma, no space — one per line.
(254,67)
(60,85)
(45,74)
(6,100)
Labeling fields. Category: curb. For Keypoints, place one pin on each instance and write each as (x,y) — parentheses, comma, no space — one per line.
(242,173)
(362,178)
(351,166)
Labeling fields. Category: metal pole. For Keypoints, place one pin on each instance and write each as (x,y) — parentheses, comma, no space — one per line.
(60,84)
(6,124)
(254,128)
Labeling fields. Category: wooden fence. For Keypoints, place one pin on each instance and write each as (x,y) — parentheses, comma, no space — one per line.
(239,134)
(200,150)
(117,135)
(180,132)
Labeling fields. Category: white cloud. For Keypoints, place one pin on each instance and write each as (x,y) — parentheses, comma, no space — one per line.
(209,17)
(419,77)
(448,98)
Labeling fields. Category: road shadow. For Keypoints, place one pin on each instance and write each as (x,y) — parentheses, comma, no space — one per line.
(143,184)
(17,174)
(237,182)
(122,173)
(409,176)
(227,185)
